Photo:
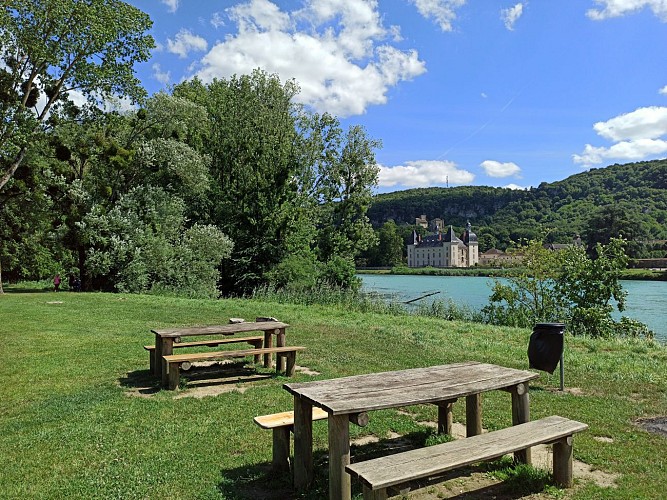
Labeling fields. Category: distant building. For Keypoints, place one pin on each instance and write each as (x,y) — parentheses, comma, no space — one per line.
(576,241)
(495,257)
(437,225)
(444,249)
(421,222)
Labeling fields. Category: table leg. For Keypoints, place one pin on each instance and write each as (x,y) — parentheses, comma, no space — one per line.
(166,350)
(521,415)
(268,342)
(445,417)
(157,357)
(280,341)
(473,415)
(303,443)
(340,483)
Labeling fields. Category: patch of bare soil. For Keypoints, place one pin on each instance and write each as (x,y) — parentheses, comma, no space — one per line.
(654,424)
(210,378)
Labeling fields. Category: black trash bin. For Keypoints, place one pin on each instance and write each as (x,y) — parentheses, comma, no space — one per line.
(546,346)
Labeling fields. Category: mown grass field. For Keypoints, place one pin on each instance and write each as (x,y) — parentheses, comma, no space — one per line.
(71,428)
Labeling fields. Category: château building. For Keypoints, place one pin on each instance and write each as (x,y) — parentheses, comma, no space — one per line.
(444,249)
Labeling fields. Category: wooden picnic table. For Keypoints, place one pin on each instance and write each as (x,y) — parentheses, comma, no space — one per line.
(343,398)
(165,339)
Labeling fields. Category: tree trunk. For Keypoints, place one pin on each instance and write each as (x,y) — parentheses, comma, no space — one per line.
(1,290)
(12,168)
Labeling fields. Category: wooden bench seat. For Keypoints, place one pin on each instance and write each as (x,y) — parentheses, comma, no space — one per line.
(381,473)
(174,360)
(282,424)
(255,341)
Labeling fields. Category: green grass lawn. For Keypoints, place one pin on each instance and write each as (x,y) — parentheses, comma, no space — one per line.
(71,428)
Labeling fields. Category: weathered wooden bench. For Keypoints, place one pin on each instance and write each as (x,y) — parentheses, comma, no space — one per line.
(282,424)
(379,474)
(174,361)
(258,342)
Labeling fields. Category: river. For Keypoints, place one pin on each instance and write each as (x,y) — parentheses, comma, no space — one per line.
(646,301)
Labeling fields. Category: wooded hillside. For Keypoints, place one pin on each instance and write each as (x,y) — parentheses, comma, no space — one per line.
(630,200)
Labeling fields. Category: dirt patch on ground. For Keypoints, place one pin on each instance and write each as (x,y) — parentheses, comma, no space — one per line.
(207,378)
(654,424)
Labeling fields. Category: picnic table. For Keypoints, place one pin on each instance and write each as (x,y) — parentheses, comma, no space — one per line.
(165,339)
(347,397)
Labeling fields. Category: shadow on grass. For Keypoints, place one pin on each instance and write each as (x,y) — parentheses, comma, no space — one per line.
(14,289)
(471,483)
(144,383)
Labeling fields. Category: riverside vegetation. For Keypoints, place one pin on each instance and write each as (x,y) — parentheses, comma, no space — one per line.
(73,426)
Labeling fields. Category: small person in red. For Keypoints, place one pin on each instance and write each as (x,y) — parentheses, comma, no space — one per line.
(56,283)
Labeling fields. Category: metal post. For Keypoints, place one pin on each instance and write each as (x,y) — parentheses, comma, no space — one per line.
(562,373)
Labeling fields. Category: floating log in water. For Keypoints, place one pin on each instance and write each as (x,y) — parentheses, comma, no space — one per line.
(419,298)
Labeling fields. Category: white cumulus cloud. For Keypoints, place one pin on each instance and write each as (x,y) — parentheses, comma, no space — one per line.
(637,135)
(663,90)
(442,11)
(172,4)
(164,77)
(511,15)
(338,51)
(424,173)
(186,42)
(497,169)
(643,123)
(617,8)
(516,187)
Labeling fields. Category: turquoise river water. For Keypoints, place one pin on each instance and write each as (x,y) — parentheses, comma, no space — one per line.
(646,301)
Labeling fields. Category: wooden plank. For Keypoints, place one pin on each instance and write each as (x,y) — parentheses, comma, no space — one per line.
(408,387)
(286,418)
(339,457)
(303,443)
(563,462)
(242,353)
(229,329)
(521,415)
(211,343)
(473,415)
(403,467)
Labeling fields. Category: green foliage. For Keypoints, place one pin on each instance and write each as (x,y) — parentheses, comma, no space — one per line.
(141,244)
(339,272)
(566,286)
(527,296)
(296,272)
(57,46)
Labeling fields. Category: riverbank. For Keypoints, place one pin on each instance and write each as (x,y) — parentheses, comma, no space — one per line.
(83,419)
(628,274)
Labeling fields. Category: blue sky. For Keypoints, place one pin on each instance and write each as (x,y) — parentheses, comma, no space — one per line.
(461,92)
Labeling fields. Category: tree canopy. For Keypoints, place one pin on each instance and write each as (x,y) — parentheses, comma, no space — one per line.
(51,48)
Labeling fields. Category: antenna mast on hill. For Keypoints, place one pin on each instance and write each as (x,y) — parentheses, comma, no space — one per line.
(447,180)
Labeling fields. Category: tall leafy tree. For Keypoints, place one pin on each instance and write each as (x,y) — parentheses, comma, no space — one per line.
(390,246)
(51,48)
(255,160)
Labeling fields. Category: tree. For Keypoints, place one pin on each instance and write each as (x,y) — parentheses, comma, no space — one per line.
(345,175)
(566,286)
(253,146)
(620,220)
(527,297)
(143,244)
(390,246)
(53,47)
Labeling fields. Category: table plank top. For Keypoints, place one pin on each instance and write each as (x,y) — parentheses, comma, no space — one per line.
(393,389)
(229,329)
